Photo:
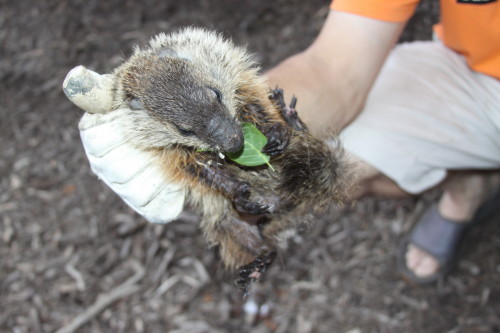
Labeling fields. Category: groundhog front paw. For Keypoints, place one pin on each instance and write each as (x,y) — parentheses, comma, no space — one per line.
(288,112)
(277,139)
(252,208)
(244,205)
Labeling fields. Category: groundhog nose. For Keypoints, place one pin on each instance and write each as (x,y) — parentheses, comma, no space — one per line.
(226,134)
(234,144)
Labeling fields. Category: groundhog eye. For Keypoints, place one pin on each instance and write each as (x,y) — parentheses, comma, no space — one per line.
(217,94)
(185,132)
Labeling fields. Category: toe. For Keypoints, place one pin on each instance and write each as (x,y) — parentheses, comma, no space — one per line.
(421,263)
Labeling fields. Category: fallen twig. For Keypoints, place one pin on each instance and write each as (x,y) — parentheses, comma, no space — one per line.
(75,274)
(123,290)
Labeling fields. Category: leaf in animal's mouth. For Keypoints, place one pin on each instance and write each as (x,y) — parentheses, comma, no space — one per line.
(253,142)
(251,154)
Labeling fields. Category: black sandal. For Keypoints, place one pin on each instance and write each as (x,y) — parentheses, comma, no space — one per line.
(438,237)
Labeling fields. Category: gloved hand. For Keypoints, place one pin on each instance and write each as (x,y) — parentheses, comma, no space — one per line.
(133,174)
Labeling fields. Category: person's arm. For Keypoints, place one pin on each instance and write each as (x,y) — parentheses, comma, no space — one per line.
(334,75)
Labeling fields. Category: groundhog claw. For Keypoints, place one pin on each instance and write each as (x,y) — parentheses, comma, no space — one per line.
(252,272)
(289,113)
(278,137)
(245,206)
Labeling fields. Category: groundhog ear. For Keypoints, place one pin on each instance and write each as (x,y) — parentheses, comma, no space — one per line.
(136,104)
(167,52)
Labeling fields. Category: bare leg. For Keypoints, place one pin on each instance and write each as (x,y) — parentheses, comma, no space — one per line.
(463,193)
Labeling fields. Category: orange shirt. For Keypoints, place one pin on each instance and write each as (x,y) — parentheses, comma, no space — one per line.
(470,27)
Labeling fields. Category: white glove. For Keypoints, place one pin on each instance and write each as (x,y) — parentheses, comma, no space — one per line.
(133,174)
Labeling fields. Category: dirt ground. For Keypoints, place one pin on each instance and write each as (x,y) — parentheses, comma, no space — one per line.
(74,257)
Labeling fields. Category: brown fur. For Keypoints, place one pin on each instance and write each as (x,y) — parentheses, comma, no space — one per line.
(309,175)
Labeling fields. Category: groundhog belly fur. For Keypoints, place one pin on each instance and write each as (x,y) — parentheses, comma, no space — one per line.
(191,92)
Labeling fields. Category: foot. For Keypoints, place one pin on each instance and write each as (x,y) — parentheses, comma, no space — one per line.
(429,252)
(252,272)
(423,263)
(432,246)
(420,262)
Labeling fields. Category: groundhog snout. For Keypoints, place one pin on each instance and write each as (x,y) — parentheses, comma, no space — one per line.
(235,143)
(226,134)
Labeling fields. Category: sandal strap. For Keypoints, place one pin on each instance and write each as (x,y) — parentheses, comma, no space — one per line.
(438,236)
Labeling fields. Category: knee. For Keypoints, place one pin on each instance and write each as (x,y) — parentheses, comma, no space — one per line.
(363,177)
(370,181)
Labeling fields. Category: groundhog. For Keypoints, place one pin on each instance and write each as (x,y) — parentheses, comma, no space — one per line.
(192,91)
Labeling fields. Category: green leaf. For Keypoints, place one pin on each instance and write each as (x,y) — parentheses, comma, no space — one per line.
(251,154)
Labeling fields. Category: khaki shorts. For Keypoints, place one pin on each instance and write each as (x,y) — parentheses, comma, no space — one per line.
(427,113)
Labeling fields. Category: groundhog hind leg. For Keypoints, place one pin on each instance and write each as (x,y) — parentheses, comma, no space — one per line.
(249,240)
(243,248)
(241,242)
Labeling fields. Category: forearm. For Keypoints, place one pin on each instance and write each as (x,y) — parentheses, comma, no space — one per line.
(334,75)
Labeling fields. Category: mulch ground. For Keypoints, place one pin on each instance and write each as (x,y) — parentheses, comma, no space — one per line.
(74,258)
